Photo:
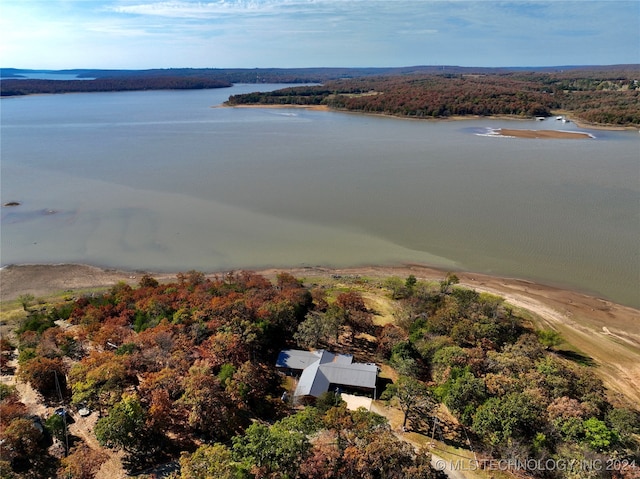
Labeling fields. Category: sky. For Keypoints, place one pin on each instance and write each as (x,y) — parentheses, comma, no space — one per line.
(141,34)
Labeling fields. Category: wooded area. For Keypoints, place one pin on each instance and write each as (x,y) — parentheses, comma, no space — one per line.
(185,371)
(599,95)
(30,86)
(608,98)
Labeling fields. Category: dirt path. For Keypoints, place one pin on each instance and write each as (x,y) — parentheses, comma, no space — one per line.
(112,467)
(81,427)
(395,418)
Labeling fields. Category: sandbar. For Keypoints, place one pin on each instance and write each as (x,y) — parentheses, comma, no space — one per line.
(275,106)
(543,134)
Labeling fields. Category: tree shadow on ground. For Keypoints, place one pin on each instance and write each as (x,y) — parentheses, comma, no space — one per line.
(576,357)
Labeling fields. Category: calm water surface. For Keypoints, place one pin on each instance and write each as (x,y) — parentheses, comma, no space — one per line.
(162,181)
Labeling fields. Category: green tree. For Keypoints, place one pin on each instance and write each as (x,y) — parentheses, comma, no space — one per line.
(312,331)
(511,417)
(396,286)
(413,396)
(124,427)
(446,358)
(625,422)
(25,300)
(465,394)
(327,400)
(99,379)
(598,435)
(210,461)
(446,284)
(549,338)
(410,283)
(57,427)
(306,421)
(270,450)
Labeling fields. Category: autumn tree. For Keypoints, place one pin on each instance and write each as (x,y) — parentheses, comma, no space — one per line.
(210,409)
(81,463)
(99,380)
(354,312)
(45,374)
(253,387)
(360,444)
(20,443)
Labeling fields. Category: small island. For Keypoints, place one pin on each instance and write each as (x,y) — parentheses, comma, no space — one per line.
(542,134)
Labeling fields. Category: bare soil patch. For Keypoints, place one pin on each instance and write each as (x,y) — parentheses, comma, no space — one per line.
(43,280)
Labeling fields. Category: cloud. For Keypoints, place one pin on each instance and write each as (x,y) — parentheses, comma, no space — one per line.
(249,33)
(186,9)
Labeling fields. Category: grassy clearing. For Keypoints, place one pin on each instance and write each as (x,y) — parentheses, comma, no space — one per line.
(12,312)
(381,306)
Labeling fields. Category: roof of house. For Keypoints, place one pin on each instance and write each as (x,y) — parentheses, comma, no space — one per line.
(322,368)
(297,359)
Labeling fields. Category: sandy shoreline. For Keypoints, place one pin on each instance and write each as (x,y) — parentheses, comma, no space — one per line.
(578,122)
(607,332)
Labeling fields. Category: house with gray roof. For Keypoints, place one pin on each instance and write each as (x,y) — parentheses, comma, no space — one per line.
(321,371)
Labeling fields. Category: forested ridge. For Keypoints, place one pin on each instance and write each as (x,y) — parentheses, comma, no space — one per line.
(185,371)
(29,86)
(602,97)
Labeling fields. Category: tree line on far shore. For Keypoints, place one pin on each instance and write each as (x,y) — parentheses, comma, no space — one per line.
(14,87)
(600,95)
(610,98)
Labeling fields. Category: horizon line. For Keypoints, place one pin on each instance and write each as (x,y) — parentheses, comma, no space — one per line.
(600,65)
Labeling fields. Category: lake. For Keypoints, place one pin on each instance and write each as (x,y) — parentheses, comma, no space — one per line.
(167,181)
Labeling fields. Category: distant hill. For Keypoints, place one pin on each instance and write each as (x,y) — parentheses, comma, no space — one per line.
(248,75)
